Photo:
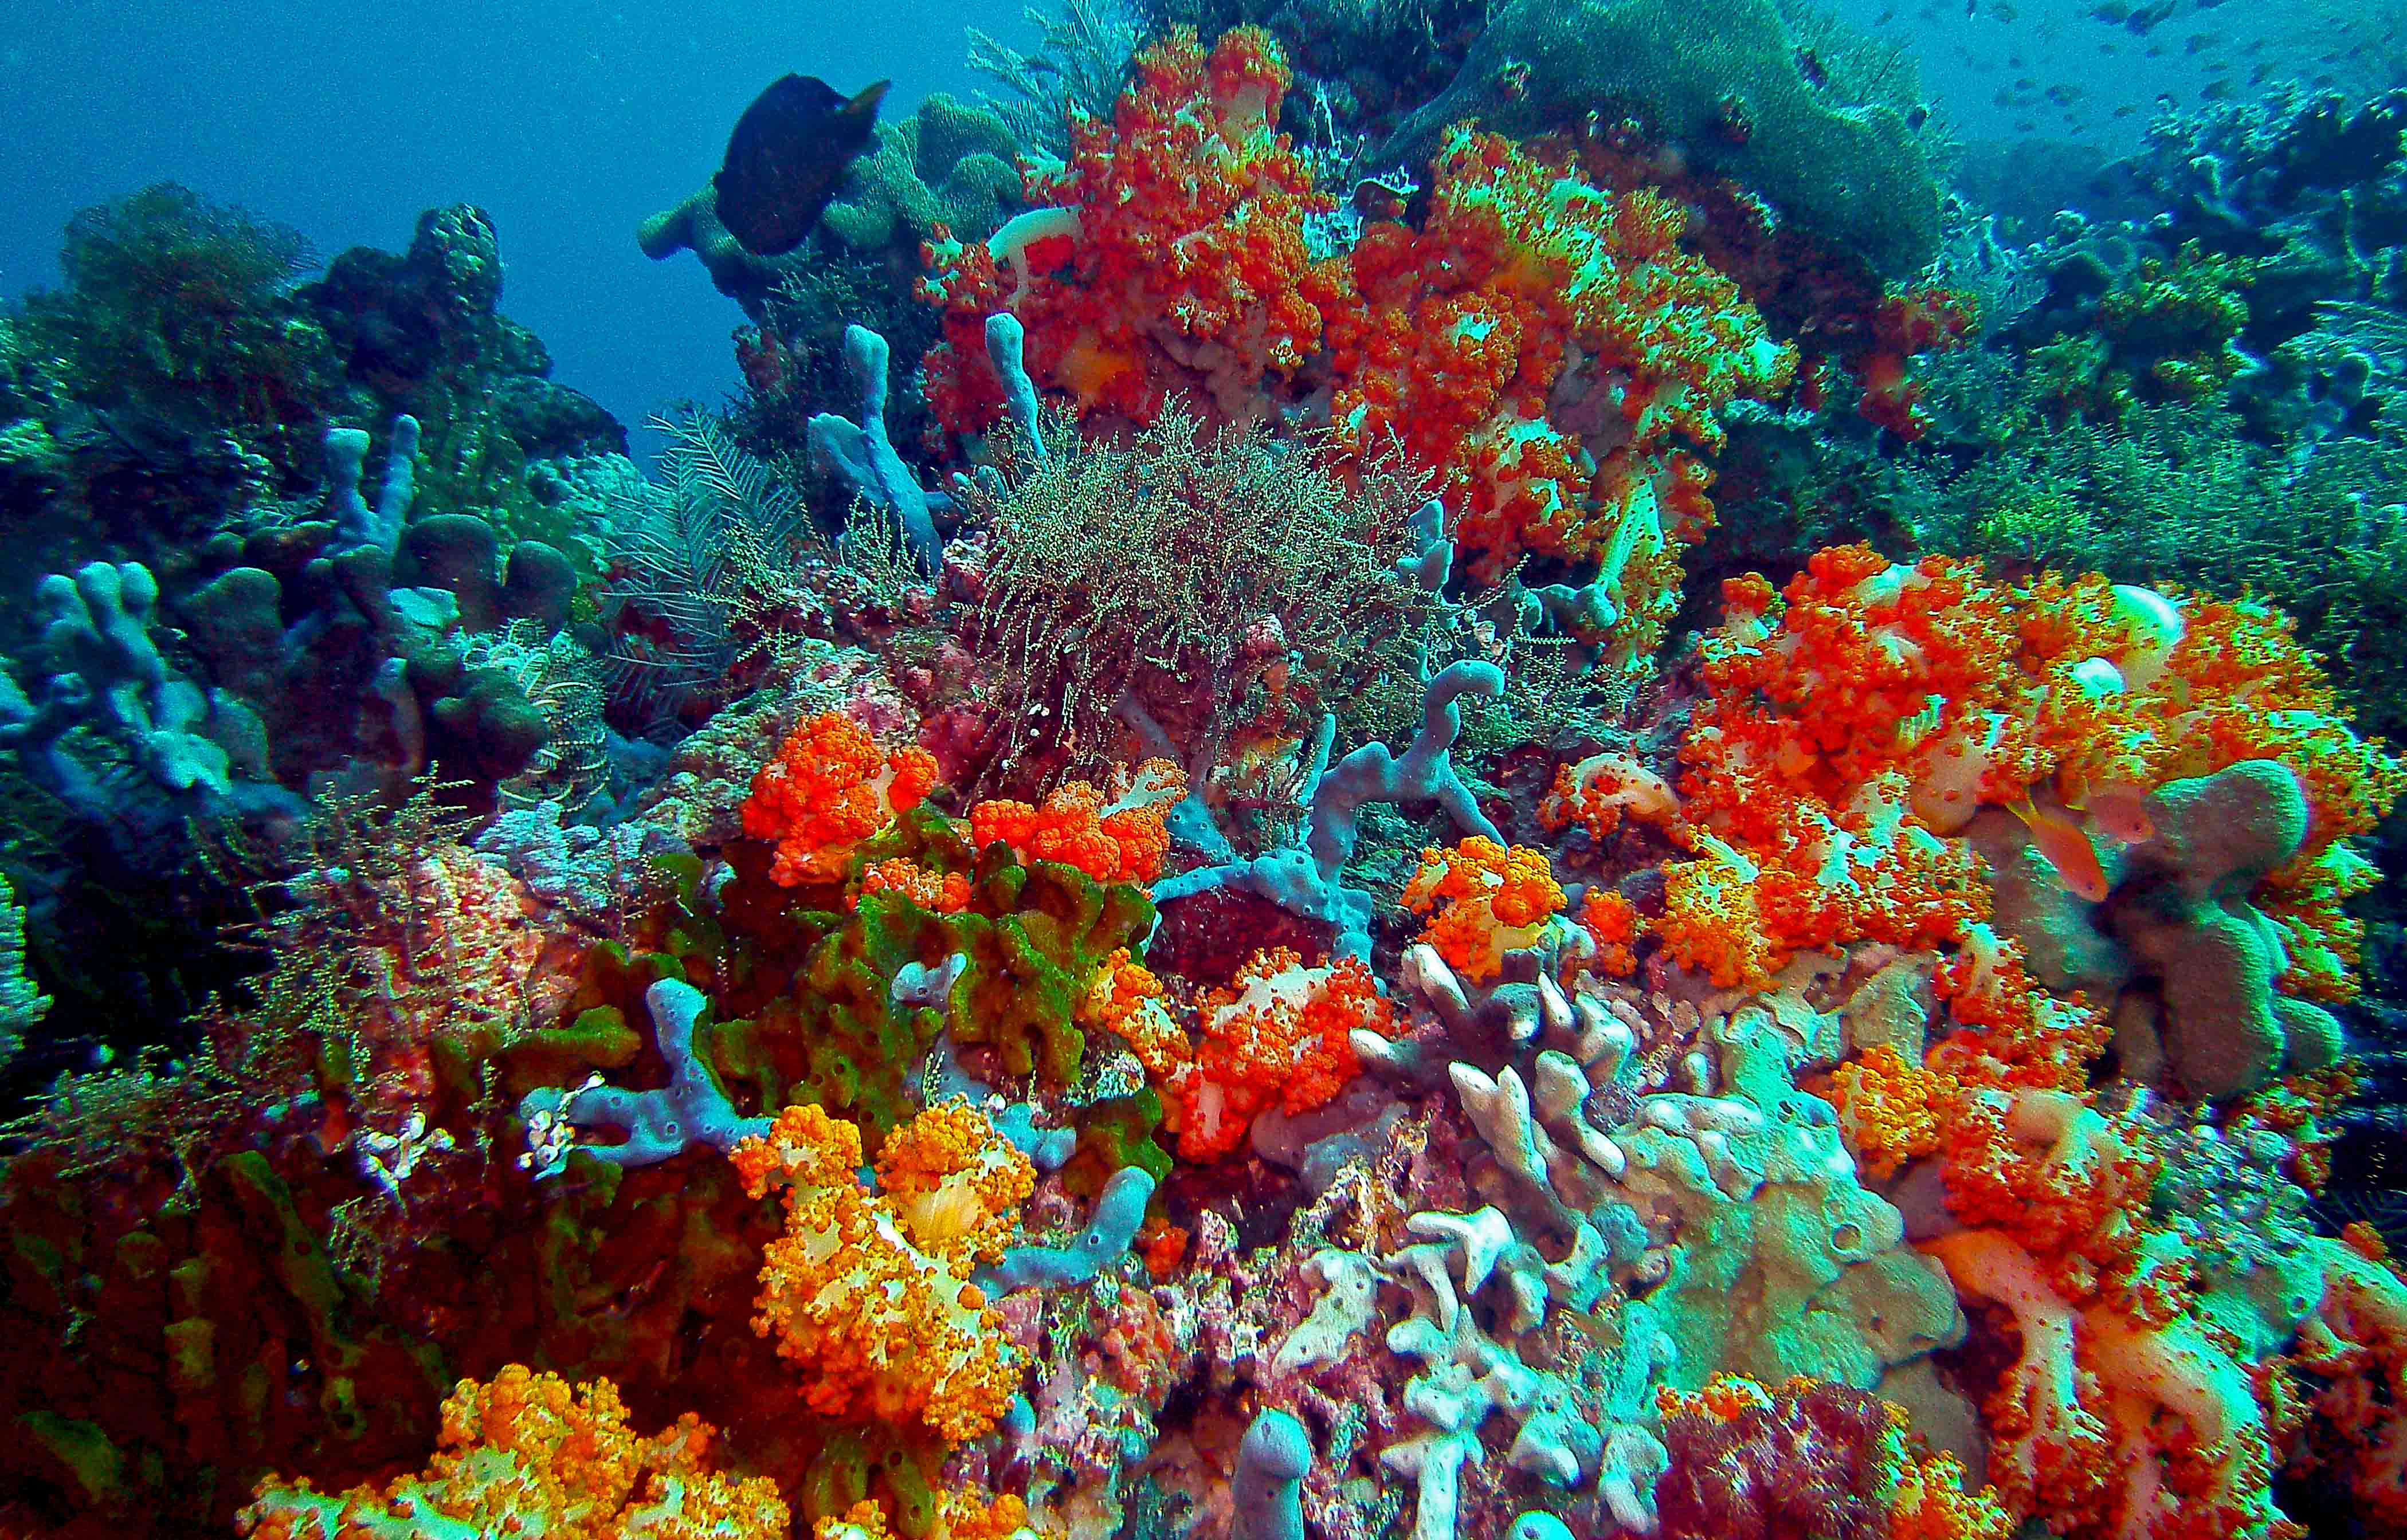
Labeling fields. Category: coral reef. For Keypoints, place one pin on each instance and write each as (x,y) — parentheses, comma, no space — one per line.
(1406,772)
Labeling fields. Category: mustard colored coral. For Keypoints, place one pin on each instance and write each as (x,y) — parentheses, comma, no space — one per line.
(531,1454)
(869,1295)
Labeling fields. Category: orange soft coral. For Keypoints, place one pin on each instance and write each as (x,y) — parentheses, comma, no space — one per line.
(1891,1110)
(1122,841)
(1923,321)
(2064,1180)
(1126,999)
(937,892)
(2016,1034)
(1601,790)
(529,1453)
(1543,347)
(1278,1037)
(1483,901)
(1867,711)
(871,1294)
(2108,1425)
(828,789)
(1164,257)
(1611,925)
(1712,920)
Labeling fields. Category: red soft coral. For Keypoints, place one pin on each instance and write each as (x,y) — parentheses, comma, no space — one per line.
(1279,1038)
(828,789)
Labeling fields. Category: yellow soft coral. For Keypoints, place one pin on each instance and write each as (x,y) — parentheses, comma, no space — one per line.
(960,1516)
(870,1291)
(531,1454)
(1126,999)
(1889,1109)
(1711,921)
(1483,901)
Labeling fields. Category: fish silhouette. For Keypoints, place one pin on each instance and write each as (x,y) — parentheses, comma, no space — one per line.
(786,157)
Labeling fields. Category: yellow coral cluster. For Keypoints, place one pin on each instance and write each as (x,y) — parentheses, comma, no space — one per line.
(1889,1108)
(959,1517)
(1126,999)
(531,1454)
(870,1291)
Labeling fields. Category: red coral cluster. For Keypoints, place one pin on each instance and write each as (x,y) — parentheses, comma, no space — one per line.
(1279,1036)
(1543,348)
(829,788)
(1807,1459)
(1167,255)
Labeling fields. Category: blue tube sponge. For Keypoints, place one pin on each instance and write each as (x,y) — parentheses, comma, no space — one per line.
(1307,881)
(864,457)
(1273,1459)
(690,1110)
(1119,1209)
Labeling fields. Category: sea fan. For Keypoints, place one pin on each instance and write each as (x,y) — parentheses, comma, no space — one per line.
(686,556)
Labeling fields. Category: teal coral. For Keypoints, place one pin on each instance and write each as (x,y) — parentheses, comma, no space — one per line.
(22,1004)
(1855,174)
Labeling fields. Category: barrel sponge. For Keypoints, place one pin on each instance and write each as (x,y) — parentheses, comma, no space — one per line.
(2184,911)
(1720,79)
(951,163)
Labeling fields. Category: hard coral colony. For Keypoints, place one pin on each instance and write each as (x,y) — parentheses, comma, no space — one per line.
(1424,825)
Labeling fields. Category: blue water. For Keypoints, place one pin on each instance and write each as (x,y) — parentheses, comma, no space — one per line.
(566,121)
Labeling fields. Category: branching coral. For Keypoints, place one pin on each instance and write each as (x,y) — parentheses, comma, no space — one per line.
(1215,588)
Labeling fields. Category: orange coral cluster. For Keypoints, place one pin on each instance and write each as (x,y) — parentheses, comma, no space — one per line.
(872,1293)
(529,1453)
(2067,1182)
(1870,706)
(2112,1422)
(1165,256)
(1126,999)
(1891,1110)
(937,892)
(829,788)
(1122,841)
(1543,346)
(1545,350)
(1611,924)
(1483,901)
(1279,1036)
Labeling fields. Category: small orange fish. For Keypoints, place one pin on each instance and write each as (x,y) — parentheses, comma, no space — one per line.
(2065,847)
(2121,814)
